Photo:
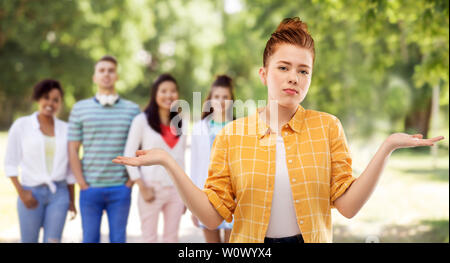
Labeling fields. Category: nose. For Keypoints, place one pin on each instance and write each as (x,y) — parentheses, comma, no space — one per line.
(293,78)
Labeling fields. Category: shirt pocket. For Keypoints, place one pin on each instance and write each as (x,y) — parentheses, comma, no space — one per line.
(250,172)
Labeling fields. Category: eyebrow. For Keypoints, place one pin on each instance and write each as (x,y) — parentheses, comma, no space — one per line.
(105,67)
(290,64)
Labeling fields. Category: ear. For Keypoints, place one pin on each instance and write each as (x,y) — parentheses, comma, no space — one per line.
(263,75)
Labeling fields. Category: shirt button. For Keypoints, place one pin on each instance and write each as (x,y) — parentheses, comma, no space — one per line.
(301,222)
(293,180)
(286,134)
(297,201)
(290,161)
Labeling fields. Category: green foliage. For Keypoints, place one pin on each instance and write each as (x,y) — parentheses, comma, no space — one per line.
(375,60)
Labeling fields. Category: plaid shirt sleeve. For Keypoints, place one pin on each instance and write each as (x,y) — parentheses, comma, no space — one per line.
(218,185)
(341,161)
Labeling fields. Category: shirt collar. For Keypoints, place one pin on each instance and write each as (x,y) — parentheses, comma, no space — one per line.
(97,101)
(35,122)
(297,120)
(295,123)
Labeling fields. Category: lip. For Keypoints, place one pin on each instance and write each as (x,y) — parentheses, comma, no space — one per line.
(290,91)
(168,103)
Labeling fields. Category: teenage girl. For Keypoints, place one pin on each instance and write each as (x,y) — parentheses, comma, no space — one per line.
(218,111)
(279,171)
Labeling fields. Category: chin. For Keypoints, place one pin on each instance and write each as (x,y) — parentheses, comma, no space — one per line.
(47,113)
(288,103)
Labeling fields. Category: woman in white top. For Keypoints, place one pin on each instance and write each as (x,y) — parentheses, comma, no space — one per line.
(217,112)
(38,145)
(151,129)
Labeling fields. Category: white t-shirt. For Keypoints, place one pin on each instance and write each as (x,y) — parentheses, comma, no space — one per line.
(49,144)
(283,220)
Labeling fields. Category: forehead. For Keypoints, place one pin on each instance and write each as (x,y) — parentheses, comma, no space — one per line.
(167,85)
(219,90)
(53,93)
(293,54)
(105,65)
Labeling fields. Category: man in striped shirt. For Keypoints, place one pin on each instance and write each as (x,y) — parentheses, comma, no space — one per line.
(100,124)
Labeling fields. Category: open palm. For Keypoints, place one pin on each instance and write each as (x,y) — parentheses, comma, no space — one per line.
(143,158)
(403,140)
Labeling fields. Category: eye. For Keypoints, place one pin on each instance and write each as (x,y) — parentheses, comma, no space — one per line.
(283,68)
(304,72)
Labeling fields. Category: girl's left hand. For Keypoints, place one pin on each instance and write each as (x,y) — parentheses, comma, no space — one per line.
(403,140)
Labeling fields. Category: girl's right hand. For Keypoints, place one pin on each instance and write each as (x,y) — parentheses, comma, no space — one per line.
(28,199)
(144,158)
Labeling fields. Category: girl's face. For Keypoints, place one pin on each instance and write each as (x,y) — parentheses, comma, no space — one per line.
(167,93)
(288,74)
(50,103)
(219,97)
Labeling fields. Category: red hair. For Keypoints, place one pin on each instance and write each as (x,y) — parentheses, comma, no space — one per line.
(290,31)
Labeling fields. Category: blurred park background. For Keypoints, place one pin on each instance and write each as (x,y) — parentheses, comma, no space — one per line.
(381,67)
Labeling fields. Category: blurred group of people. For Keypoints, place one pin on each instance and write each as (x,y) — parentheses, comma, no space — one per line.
(47,151)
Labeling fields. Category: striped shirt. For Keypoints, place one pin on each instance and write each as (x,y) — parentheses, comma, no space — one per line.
(242,170)
(103,132)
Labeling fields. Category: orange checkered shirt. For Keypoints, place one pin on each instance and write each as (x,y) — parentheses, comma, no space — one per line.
(241,173)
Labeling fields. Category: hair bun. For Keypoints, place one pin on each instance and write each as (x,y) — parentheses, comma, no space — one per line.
(290,31)
(293,23)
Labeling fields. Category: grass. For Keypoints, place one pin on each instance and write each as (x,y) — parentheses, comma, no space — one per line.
(410,203)
(424,231)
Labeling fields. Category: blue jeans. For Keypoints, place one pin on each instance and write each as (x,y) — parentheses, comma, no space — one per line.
(116,200)
(50,213)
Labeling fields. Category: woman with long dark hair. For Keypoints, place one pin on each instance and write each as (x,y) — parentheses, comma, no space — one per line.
(157,193)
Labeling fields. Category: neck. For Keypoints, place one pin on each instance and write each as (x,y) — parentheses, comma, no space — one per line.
(276,116)
(45,119)
(219,117)
(164,116)
(106,90)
